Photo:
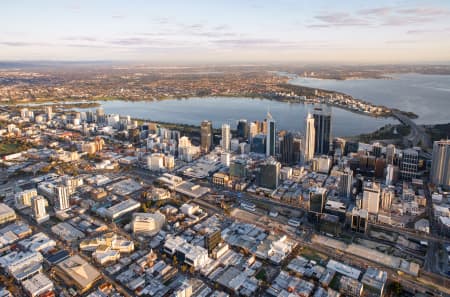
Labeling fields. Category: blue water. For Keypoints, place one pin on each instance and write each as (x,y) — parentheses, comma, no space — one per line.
(288,116)
(428,96)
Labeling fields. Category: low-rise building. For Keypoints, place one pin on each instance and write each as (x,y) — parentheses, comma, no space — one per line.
(75,271)
(37,285)
(148,223)
(7,214)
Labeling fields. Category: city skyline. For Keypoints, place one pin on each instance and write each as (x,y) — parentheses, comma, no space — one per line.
(227,32)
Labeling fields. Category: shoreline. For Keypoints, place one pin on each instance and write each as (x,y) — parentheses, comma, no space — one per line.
(67,104)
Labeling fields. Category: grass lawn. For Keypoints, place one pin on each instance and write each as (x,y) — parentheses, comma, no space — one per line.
(261,275)
(9,148)
(335,282)
(313,255)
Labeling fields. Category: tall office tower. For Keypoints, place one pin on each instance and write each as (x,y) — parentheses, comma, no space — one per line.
(440,166)
(317,199)
(89,116)
(322,126)
(339,144)
(346,183)
(100,113)
(371,197)
(376,149)
(49,112)
(206,136)
(258,144)
(297,145)
(38,204)
(271,136)
(263,127)
(391,174)
(390,154)
(310,136)
(252,131)
(287,149)
(226,137)
(62,198)
(269,174)
(242,129)
(409,164)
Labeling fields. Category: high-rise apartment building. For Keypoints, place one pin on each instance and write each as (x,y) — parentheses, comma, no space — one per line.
(62,198)
(38,204)
(206,136)
(226,137)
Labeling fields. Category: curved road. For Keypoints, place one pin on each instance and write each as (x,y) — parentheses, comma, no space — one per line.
(417,134)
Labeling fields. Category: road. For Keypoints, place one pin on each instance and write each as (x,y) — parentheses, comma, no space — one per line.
(417,135)
(412,284)
(66,246)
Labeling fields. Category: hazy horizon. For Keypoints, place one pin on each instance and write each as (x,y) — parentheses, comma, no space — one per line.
(224,32)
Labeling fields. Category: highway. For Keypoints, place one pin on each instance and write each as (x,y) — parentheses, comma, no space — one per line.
(417,135)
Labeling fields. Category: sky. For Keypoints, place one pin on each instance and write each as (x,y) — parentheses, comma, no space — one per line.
(350,31)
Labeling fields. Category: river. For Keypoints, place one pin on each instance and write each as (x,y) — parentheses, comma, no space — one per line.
(289,116)
(428,96)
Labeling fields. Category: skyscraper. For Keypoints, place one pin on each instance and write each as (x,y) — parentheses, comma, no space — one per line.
(49,112)
(346,183)
(287,148)
(269,174)
(440,166)
(271,134)
(391,174)
(322,127)
(226,137)
(310,136)
(390,154)
(258,144)
(62,198)
(38,204)
(316,200)
(371,197)
(252,131)
(206,136)
(409,164)
(242,129)
(297,145)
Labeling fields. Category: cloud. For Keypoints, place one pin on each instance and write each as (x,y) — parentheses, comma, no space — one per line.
(380,16)
(23,43)
(424,11)
(338,19)
(402,41)
(81,38)
(380,11)
(118,16)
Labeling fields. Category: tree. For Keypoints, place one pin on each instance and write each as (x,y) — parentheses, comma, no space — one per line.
(396,288)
